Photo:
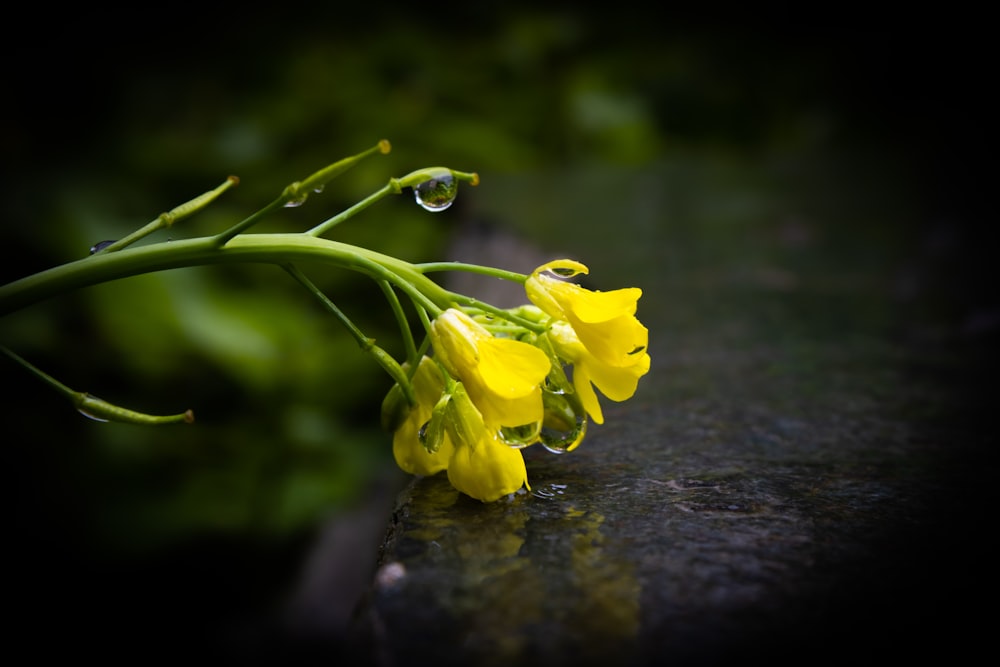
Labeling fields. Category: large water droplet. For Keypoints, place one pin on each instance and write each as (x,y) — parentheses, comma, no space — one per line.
(520,437)
(565,422)
(298,201)
(438,193)
(559,441)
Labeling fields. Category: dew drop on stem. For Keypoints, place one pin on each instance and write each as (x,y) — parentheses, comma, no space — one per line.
(100,245)
(438,193)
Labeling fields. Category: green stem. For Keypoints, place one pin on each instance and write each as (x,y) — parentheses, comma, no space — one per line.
(463,300)
(96,408)
(384,359)
(404,326)
(392,188)
(297,192)
(429,267)
(224,237)
(166,220)
(507,315)
(245,249)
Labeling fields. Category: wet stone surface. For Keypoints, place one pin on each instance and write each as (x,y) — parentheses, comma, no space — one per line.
(802,477)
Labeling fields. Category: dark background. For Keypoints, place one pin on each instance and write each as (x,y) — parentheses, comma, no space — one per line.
(121,532)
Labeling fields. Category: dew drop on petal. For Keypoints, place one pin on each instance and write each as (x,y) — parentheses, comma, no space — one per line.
(438,193)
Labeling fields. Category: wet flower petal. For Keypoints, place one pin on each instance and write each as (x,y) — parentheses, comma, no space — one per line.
(487,470)
(481,466)
(617,382)
(605,322)
(410,454)
(503,377)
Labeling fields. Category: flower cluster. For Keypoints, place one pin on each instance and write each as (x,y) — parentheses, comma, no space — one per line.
(498,381)
(484,384)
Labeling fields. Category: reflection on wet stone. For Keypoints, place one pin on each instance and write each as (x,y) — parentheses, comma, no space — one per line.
(508,578)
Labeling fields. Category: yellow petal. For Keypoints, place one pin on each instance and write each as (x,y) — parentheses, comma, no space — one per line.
(562,267)
(412,458)
(618,382)
(581,382)
(410,454)
(456,339)
(590,306)
(614,341)
(512,369)
(487,471)
(498,411)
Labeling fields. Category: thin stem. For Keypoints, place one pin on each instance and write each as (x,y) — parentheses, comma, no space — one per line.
(425,320)
(41,375)
(224,237)
(429,267)
(404,325)
(166,220)
(392,188)
(471,302)
(96,408)
(384,359)
(298,191)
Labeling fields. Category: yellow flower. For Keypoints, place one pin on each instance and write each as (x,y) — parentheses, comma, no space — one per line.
(503,377)
(616,382)
(410,454)
(481,466)
(604,322)
(597,332)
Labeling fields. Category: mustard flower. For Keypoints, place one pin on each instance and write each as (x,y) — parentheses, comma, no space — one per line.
(616,382)
(481,466)
(604,322)
(408,450)
(503,376)
(597,332)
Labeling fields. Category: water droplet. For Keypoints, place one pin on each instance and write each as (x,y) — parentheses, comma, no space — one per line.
(431,434)
(297,201)
(565,422)
(319,188)
(561,441)
(437,193)
(558,380)
(90,415)
(520,437)
(548,491)
(100,245)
